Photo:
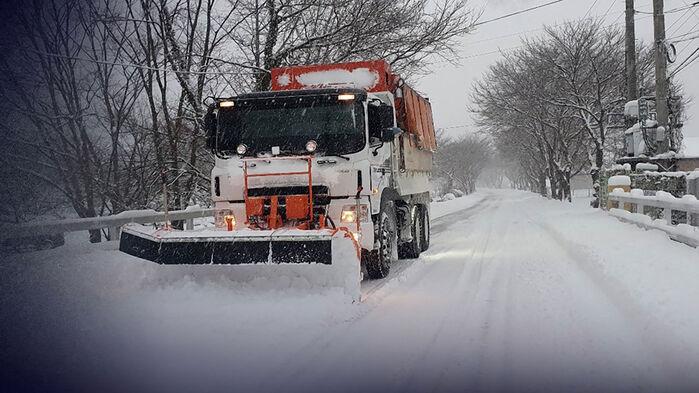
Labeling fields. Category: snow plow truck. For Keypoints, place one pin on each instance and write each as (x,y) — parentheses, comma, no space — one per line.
(325,177)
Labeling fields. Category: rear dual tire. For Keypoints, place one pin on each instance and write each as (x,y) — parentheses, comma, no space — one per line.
(425,235)
(412,249)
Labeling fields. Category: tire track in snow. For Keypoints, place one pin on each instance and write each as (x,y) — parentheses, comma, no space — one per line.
(438,225)
(415,269)
(464,291)
(470,331)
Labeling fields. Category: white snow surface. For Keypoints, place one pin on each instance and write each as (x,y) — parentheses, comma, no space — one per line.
(619,180)
(644,166)
(683,232)
(517,293)
(441,209)
(631,109)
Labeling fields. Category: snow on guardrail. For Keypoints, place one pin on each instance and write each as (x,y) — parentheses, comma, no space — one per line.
(683,232)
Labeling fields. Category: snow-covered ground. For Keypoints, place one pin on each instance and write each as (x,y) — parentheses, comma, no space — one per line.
(517,293)
(441,209)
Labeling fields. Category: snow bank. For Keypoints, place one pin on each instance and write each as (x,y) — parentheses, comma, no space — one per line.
(644,166)
(88,315)
(684,233)
(666,174)
(619,167)
(619,181)
(642,272)
(441,209)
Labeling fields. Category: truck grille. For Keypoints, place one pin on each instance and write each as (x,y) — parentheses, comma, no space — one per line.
(320,193)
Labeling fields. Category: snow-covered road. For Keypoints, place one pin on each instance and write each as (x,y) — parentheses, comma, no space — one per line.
(517,293)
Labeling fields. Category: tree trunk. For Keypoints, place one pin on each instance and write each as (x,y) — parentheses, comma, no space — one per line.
(542,184)
(595,174)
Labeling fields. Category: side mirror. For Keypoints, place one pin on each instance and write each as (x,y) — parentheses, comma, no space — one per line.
(390,133)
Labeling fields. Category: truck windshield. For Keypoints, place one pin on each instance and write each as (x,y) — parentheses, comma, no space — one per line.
(290,122)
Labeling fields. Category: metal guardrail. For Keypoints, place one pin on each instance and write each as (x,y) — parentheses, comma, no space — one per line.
(691,207)
(112,223)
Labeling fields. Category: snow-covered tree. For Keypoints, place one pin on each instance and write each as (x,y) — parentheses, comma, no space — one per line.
(547,105)
(461,161)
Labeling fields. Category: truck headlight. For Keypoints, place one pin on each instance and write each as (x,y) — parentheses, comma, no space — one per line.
(241,149)
(349,213)
(311,146)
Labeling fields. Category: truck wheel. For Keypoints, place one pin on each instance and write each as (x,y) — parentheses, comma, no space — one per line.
(425,235)
(379,262)
(412,249)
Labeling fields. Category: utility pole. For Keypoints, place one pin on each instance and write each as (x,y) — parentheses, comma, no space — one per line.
(631,81)
(661,83)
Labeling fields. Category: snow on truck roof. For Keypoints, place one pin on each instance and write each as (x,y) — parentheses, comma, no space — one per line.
(301,93)
(371,76)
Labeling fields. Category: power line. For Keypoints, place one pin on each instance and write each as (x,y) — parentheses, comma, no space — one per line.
(672,11)
(130,65)
(683,35)
(491,52)
(689,60)
(686,16)
(611,5)
(495,38)
(500,50)
(686,39)
(591,7)
(518,12)
(614,23)
(453,127)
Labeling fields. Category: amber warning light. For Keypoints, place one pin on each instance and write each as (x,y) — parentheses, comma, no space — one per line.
(230,221)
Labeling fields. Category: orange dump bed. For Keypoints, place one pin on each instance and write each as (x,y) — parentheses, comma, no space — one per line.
(414,114)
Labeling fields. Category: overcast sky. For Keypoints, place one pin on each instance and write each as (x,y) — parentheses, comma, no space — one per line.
(449,86)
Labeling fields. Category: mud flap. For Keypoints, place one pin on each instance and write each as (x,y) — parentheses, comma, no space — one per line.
(317,258)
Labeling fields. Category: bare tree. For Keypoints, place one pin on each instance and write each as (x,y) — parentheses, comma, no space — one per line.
(461,161)
(549,103)
(55,103)
(404,32)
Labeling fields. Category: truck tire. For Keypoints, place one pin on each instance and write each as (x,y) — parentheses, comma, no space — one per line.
(378,263)
(412,249)
(425,235)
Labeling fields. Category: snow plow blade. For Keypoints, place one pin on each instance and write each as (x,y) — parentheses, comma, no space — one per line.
(327,258)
